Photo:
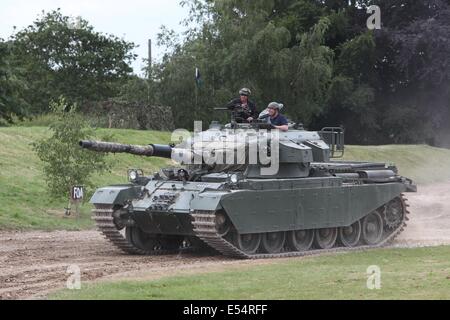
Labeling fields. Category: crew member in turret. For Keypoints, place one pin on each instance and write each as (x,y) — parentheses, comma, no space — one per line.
(248,112)
(276,118)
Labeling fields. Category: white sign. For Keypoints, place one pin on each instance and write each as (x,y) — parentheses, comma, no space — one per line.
(77,193)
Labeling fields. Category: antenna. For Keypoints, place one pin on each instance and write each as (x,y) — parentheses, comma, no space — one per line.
(149,70)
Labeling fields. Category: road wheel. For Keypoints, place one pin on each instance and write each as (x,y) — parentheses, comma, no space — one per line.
(140,239)
(349,236)
(300,240)
(325,238)
(372,228)
(248,243)
(273,242)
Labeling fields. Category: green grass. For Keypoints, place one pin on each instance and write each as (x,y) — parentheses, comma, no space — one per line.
(24,203)
(419,273)
(43,120)
(422,163)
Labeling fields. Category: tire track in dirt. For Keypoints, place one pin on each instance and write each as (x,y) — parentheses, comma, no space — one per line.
(34,262)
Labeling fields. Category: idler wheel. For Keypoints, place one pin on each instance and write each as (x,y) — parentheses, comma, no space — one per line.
(372,228)
(325,238)
(300,240)
(223,224)
(349,236)
(140,239)
(273,242)
(248,243)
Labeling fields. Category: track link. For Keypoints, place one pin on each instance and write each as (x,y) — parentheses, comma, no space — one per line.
(103,216)
(204,226)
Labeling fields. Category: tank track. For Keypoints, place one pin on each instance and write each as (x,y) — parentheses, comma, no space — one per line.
(204,226)
(103,216)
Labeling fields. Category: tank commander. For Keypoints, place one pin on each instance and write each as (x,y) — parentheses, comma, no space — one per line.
(248,112)
(277,120)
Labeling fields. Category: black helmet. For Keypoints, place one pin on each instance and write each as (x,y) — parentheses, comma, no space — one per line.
(275,105)
(245,92)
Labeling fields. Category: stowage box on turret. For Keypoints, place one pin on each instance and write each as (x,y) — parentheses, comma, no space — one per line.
(250,192)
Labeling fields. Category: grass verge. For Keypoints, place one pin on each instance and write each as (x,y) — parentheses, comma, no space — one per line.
(24,201)
(416,273)
(422,163)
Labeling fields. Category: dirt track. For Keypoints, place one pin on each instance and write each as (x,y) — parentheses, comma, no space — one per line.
(33,263)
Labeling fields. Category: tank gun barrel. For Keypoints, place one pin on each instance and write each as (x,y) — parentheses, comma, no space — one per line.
(151,150)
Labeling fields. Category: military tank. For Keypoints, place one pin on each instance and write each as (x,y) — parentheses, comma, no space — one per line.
(303,200)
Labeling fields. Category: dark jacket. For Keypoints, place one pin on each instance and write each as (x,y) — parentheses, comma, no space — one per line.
(249,111)
(279,120)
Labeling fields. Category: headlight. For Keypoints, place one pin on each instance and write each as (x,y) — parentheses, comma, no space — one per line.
(132,175)
(234,178)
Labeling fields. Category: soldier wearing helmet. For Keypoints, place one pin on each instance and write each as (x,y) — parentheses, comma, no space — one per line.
(276,118)
(248,112)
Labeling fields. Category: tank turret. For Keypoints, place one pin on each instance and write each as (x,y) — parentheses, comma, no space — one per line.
(252,149)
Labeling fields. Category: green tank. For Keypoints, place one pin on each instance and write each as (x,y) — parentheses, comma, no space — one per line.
(250,192)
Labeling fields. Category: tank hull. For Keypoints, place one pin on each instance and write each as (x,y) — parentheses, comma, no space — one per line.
(253,207)
(319,203)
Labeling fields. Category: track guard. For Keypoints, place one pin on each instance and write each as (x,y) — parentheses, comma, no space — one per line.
(115,195)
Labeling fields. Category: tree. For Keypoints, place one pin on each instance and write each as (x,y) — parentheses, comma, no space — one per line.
(65,163)
(135,90)
(416,75)
(60,55)
(319,59)
(391,85)
(245,44)
(11,88)
(311,75)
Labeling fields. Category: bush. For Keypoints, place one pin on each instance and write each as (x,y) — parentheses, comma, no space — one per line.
(41,120)
(130,115)
(65,163)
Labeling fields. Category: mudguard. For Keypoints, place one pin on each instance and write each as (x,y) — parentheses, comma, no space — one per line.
(209,201)
(116,194)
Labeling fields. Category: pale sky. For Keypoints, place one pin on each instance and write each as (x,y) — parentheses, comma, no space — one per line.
(133,20)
